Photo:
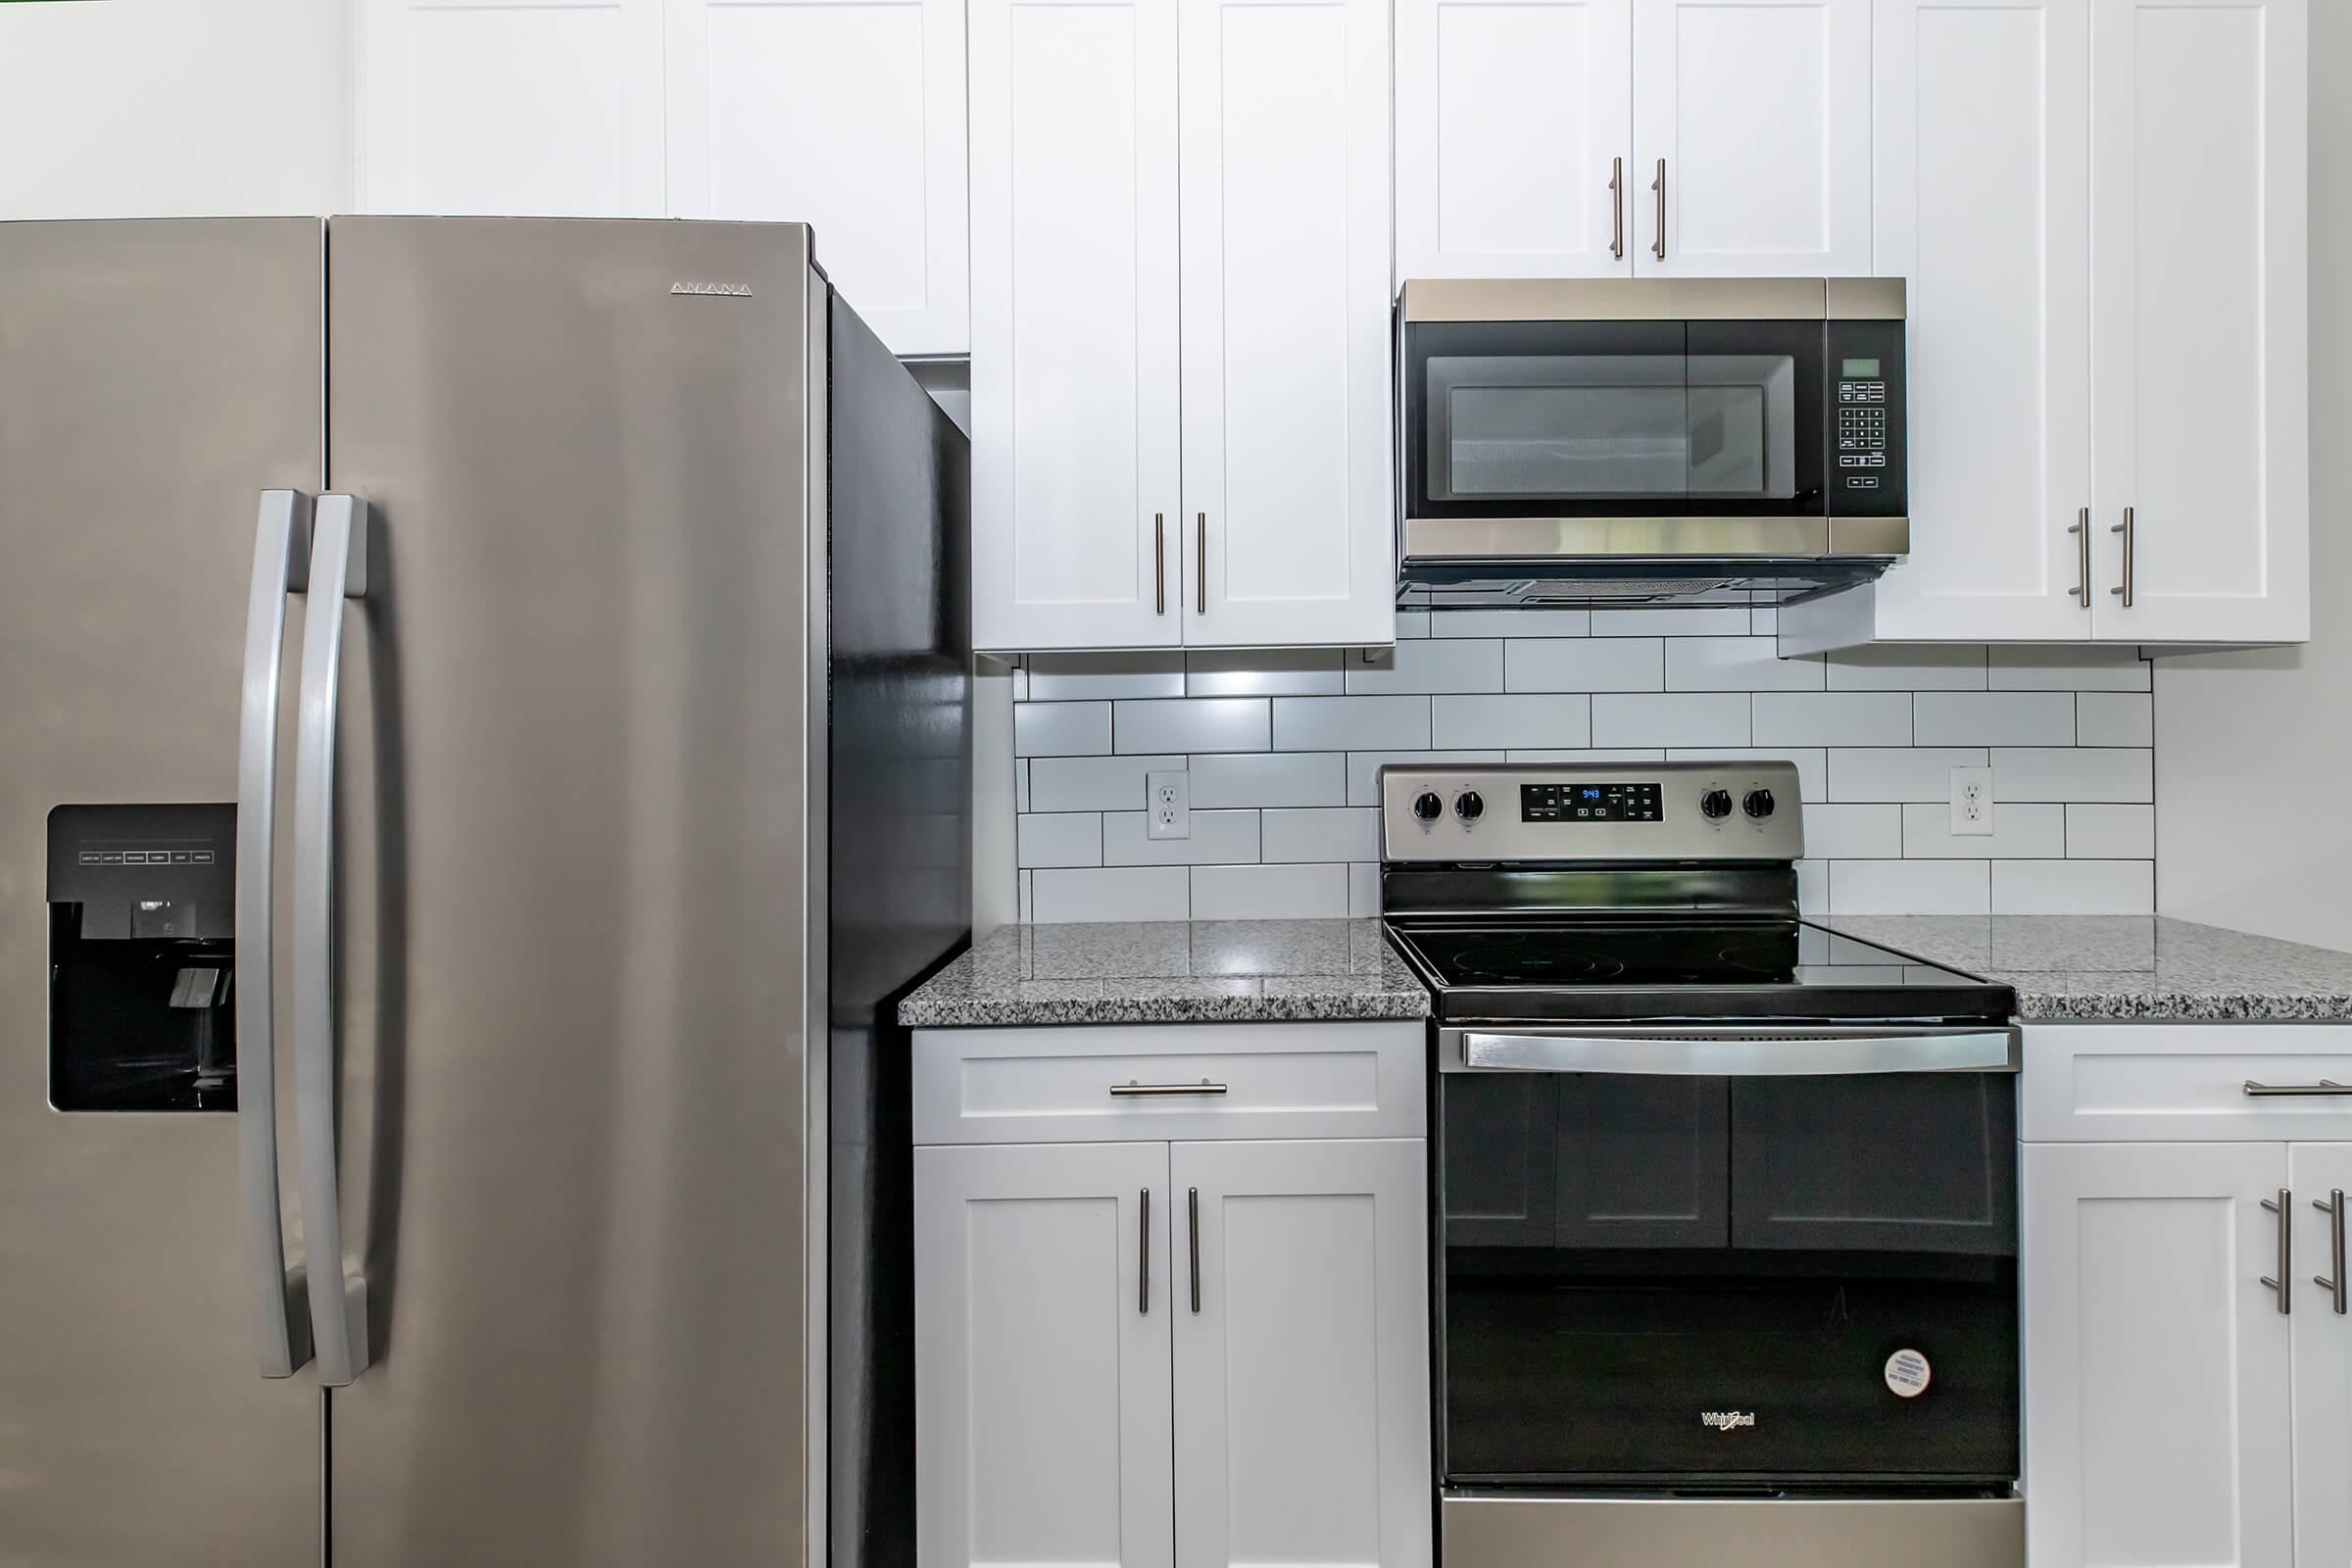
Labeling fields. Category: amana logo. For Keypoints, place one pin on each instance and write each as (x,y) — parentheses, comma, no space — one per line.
(1724,1420)
(731,291)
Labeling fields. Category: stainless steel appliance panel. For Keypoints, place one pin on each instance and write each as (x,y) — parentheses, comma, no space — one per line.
(576,873)
(154,376)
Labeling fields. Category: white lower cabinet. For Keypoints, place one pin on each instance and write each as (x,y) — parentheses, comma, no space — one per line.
(1200,1352)
(2317,1174)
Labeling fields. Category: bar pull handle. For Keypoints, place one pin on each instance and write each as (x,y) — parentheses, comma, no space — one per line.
(1159,564)
(1142,1259)
(1192,1199)
(2334,1282)
(2081,532)
(338,1301)
(1201,563)
(281,563)
(2124,590)
(2284,1282)
(1131,1089)
(1657,246)
(2325,1087)
(1617,208)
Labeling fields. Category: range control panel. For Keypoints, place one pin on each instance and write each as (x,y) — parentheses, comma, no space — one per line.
(1746,810)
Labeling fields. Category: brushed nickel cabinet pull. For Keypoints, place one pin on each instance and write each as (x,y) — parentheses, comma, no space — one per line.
(1617,208)
(1159,564)
(2323,1088)
(2081,532)
(1192,1199)
(2333,1282)
(2124,591)
(1204,1086)
(1201,563)
(1143,1259)
(2285,1280)
(1658,246)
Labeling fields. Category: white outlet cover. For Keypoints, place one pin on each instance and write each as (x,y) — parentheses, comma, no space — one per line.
(1169,804)
(1972,783)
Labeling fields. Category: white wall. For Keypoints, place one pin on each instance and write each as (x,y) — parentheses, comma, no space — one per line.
(2254,760)
(170,108)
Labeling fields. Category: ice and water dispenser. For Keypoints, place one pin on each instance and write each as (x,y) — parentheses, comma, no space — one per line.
(142,958)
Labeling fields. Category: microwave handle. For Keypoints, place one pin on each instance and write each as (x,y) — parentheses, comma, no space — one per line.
(1741,1056)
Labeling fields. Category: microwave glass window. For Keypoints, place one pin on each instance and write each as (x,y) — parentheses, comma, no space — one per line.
(1612,426)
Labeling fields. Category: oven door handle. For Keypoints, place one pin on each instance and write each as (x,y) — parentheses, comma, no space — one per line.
(1701,1053)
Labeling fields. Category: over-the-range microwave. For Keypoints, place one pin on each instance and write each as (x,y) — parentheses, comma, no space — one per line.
(1577,441)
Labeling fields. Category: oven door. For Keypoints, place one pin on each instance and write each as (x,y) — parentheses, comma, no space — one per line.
(1730,1265)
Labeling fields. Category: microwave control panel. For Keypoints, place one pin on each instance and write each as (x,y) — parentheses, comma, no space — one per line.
(1866,472)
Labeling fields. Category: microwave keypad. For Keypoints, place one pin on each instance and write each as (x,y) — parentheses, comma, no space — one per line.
(1862,428)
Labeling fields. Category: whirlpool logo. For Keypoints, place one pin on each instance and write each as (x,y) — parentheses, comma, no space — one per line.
(1726,1420)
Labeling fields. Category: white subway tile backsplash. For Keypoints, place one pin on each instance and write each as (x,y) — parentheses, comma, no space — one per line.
(1437,665)
(2022,830)
(1363,768)
(1060,729)
(1585,753)
(1833,718)
(1901,772)
(1026,895)
(1349,723)
(1835,832)
(1194,724)
(1074,677)
(1112,892)
(1584,665)
(1813,888)
(1268,892)
(2074,773)
(1270,778)
(1265,672)
(1701,620)
(1812,765)
(1363,890)
(1413,623)
(2115,718)
(1525,719)
(1060,838)
(1763,621)
(1670,718)
(1737,664)
(1510,623)
(1345,833)
(1910,887)
(1993,719)
(1093,783)
(2111,832)
(2074,887)
(1901,667)
(2067,669)
(1216,836)
(1020,784)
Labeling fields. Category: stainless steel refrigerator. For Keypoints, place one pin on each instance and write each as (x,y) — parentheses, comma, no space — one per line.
(483,744)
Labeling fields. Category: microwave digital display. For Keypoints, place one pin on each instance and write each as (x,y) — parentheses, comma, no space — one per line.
(1866,370)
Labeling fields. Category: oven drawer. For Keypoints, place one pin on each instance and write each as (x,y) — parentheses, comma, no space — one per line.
(1120,1083)
(2186,1082)
(1512,1531)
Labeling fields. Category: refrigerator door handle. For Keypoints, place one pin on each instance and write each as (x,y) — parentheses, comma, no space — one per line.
(282,552)
(338,1301)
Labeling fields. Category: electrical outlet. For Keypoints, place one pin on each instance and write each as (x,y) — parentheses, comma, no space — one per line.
(1170,798)
(1972,802)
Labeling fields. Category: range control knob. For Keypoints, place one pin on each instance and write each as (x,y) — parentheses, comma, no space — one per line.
(1469,806)
(1716,804)
(1427,807)
(1758,803)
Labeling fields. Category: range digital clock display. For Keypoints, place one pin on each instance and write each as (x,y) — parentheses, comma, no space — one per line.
(1591,802)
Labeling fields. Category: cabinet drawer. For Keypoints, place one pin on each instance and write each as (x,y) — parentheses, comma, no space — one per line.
(1048,1086)
(2175,1083)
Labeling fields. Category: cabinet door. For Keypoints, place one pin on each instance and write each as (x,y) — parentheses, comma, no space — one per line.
(1075,425)
(847,115)
(1303,1413)
(1042,1342)
(1513,117)
(2317,1173)
(2199,318)
(2156,1361)
(1289,525)
(1759,111)
(1989,218)
(487,107)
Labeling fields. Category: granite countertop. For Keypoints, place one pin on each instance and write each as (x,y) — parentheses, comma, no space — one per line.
(2108,968)
(1171,972)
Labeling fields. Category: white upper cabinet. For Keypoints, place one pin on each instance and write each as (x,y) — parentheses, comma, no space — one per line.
(1077,486)
(1988,215)
(1751,138)
(1288,446)
(551,109)
(847,115)
(1514,138)
(2320,1175)
(2200,319)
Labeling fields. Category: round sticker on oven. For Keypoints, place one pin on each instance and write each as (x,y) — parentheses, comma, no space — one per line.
(1907,1374)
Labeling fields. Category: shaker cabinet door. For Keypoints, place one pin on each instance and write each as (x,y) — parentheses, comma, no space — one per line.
(1514,138)
(2157,1384)
(1042,1301)
(2322,1174)
(2199,319)
(1076,429)
(1751,138)
(1301,1326)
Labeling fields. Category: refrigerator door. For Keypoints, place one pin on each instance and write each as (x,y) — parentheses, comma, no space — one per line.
(573,885)
(155,378)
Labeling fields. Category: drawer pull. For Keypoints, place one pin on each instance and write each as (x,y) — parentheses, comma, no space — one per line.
(1143,1255)
(2334,1208)
(2283,1282)
(1204,1086)
(2325,1086)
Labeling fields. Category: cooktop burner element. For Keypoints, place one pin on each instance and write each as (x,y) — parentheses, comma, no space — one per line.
(1594,951)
